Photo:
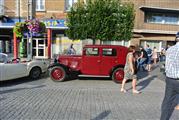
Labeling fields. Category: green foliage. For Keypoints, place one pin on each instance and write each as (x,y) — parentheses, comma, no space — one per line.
(101,20)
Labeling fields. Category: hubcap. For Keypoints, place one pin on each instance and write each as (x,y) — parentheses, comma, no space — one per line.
(57,74)
(119,75)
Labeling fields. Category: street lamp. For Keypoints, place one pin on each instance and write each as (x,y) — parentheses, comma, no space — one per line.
(30,15)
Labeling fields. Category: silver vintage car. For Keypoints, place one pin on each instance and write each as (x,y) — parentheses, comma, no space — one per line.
(15,68)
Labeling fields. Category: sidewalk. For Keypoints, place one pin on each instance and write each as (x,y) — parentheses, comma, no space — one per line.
(83,99)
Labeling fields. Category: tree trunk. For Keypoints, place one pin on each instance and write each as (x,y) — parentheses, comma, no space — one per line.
(100,42)
(94,42)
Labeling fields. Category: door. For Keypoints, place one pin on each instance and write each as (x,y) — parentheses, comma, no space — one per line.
(108,60)
(14,70)
(91,61)
(39,46)
(1,70)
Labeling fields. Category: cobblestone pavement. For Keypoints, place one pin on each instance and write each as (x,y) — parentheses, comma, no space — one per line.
(82,99)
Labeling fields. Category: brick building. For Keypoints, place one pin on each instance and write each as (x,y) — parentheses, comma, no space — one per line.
(156,22)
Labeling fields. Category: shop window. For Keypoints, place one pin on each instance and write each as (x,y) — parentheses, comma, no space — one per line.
(152,44)
(40,5)
(122,42)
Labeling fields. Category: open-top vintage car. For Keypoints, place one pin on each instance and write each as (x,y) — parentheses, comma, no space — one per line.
(15,68)
(96,60)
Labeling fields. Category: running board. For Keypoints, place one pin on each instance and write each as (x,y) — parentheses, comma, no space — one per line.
(92,76)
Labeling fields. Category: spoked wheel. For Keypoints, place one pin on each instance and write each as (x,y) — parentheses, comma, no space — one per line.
(35,73)
(58,74)
(118,75)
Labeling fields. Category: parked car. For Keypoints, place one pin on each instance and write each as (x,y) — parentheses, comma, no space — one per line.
(96,60)
(15,68)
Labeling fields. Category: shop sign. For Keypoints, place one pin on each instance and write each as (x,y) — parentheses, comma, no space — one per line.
(55,23)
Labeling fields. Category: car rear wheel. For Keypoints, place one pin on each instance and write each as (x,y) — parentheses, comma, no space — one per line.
(58,74)
(118,75)
(35,73)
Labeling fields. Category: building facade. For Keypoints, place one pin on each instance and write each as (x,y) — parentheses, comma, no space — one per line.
(156,23)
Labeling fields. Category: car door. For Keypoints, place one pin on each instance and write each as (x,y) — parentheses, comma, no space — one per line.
(108,60)
(91,61)
(1,71)
(15,70)
(3,59)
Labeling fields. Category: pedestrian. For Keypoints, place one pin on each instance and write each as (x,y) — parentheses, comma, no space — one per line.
(162,55)
(129,71)
(71,50)
(154,55)
(149,54)
(172,81)
(143,58)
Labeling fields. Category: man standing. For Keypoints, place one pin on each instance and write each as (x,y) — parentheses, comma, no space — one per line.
(143,58)
(149,54)
(172,80)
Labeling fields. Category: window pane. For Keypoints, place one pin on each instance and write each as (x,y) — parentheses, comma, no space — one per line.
(40,5)
(162,18)
(69,3)
(92,52)
(109,52)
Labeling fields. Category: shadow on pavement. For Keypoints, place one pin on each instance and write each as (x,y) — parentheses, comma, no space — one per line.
(142,74)
(21,80)
(146,82)
(18,89)
(102,115)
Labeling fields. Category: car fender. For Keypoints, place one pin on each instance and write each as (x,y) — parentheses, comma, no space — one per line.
(31,65)
(115,67)
(58,64)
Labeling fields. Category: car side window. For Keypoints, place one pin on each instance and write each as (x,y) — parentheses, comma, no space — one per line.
(109,52)
(92,52)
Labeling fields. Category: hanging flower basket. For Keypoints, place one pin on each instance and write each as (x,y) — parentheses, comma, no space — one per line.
(29,26)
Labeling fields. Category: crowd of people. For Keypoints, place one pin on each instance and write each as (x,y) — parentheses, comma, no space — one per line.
(143,59)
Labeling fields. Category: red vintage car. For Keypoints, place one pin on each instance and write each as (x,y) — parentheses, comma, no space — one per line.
(96,60)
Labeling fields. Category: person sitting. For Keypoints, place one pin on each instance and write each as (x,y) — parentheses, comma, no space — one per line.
(71,50)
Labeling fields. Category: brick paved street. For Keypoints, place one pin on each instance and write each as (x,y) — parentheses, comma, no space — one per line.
(84,99)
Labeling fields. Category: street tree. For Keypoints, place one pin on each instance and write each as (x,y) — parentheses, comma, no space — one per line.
(101,20)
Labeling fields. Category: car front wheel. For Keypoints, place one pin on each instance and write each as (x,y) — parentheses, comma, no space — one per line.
(35,73)
(58,74)
(118,75)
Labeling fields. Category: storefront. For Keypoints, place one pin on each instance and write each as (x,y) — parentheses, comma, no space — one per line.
(6,40)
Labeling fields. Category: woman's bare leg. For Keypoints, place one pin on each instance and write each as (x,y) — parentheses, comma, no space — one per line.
(134,90)
(123,85)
